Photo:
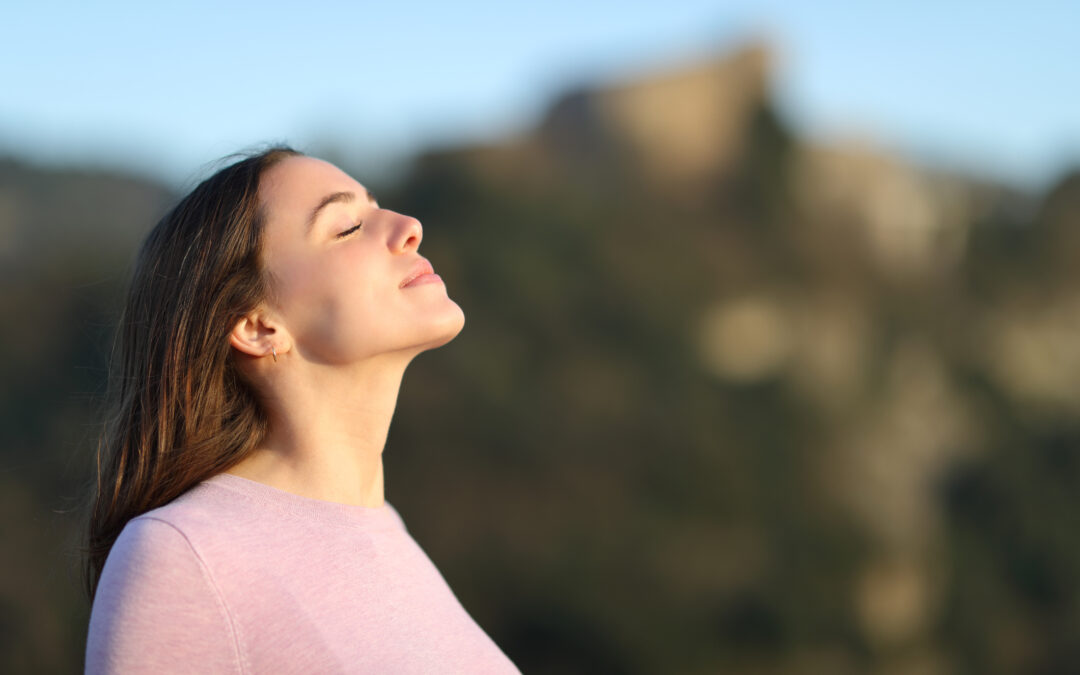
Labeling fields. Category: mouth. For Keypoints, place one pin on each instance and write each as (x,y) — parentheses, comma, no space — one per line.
(420,269)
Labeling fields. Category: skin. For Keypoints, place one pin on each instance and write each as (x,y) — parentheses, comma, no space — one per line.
(344,330)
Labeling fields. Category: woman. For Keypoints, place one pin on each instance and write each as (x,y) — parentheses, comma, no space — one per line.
(239,524)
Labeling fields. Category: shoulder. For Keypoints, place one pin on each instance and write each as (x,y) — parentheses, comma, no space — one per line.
(157,606)
(396,517)
(205,523)
(148,538)
(151,558)
(200,508)
(152,539)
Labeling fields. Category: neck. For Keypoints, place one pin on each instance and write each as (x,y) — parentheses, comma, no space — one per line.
(327,432)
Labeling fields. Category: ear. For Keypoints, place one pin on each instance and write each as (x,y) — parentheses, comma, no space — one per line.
(256,332)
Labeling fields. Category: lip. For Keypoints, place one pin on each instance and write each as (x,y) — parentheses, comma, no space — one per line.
(420,273)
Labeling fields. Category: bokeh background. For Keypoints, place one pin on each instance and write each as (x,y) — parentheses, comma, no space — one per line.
(772,359)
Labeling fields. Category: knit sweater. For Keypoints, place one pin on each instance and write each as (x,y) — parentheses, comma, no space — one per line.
(235,576)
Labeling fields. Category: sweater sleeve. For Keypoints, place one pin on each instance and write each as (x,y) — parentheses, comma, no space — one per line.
(157,609)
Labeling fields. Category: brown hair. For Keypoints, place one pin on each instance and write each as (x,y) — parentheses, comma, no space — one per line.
(178,409)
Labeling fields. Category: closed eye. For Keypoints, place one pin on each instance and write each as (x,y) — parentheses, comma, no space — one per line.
(352,229)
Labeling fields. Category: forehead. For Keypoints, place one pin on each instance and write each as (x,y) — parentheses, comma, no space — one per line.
(290,189)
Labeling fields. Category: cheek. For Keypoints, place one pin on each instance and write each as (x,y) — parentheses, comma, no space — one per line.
(333,311)
(302,300)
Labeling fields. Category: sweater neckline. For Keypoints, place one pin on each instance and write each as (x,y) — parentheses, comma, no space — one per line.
(308,507)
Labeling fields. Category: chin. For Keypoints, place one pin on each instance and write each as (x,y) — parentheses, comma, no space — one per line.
(451,329)
(442,331)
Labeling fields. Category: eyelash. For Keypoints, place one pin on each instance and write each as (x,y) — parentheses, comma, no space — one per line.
(350,230)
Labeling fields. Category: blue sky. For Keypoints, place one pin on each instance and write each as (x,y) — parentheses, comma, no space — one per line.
(167,87)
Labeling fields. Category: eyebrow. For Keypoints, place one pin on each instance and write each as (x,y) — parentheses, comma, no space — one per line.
(335,198)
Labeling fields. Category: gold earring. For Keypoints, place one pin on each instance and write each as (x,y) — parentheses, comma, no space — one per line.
(274,350)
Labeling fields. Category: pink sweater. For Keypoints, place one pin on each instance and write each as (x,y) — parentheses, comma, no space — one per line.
(235,576)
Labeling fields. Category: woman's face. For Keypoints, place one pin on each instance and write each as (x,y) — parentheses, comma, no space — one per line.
(340,289)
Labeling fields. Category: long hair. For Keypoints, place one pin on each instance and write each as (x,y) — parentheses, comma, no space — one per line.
(178,409)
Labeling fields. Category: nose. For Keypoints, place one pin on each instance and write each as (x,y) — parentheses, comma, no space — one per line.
(406,234)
